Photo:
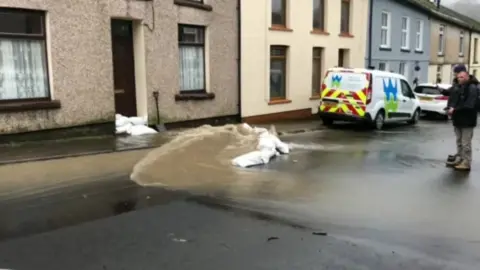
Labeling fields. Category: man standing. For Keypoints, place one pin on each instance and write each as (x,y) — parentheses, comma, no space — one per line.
(462,108)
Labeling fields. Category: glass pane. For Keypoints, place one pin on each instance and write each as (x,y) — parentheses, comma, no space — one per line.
(277,78)
(318,14)
(192,74)
(190,34)
(404,23)
(383,37)
(419,26)
(23,69)
(278,12)
(16,22)
(345,19)
(384,19)
(278,51)
(381,66)
(404,39)
(316,71)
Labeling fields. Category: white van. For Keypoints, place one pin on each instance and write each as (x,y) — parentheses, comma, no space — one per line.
(371,96)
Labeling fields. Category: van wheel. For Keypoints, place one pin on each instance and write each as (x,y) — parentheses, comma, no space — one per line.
(379,120)
(415,117)
(327,121)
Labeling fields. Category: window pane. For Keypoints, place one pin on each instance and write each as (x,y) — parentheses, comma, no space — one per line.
(278,51)
(278,12)
(384,19)
(192,73)
(404,23)
(277,78)
(382,66)
(345,17)
(16,22)
(316,71)
(318,14)
(191,34)
(23,69)
(383,37)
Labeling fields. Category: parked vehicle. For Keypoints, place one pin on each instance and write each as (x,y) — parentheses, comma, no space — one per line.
(370,96)
(432,99)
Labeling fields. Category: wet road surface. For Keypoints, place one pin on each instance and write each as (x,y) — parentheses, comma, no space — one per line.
(383,199)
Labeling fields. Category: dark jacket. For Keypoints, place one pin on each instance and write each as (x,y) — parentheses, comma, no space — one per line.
(463,98)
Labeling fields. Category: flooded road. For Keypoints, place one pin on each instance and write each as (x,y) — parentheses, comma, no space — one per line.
(345,198)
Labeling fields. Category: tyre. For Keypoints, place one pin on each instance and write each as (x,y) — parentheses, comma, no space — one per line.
(327,121)
(415,117)
(379,120)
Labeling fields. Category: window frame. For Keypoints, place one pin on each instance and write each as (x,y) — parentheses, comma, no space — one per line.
(43,37)
(419,36)
(441,40)
(386,66)
(319,61)
(349,18)
(284,15)
(284,67)
(461,45)
(405,33)
(180,43)
(387,30)
(475,50)
(323,20)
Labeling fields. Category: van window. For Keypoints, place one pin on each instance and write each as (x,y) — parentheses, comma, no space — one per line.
(346,81)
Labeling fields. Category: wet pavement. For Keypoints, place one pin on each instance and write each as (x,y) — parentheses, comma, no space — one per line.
(363,200)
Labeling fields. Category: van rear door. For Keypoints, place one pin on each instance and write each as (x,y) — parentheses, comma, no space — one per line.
(346,90)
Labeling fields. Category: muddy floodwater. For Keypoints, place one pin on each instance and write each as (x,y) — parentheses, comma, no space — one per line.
(200,160)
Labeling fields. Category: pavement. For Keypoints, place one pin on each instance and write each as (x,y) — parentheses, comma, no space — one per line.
(359,199)
(74,147)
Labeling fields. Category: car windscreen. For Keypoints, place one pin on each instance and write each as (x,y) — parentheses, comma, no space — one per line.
(428,90)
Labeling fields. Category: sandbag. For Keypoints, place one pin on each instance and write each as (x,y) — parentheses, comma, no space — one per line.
(141,130)
(137,121)
(123,129)
(253,158)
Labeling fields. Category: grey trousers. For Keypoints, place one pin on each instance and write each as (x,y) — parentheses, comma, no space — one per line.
(464,143)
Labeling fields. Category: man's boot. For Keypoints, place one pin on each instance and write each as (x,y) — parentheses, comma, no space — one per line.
(453,160)
(463,166)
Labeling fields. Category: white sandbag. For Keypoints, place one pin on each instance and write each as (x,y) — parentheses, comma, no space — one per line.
(260,130)
(137,121)
(141,130)
(253,158)
(123,129)
(280,146)
(266,142)
(121,121)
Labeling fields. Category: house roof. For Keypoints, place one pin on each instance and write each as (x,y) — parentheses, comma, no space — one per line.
(445,14)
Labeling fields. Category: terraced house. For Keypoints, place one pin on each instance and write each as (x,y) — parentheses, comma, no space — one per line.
(399,39)
(286,47)
(77,63)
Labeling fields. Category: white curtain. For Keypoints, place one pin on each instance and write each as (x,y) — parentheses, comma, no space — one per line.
(23,69)
(192,68)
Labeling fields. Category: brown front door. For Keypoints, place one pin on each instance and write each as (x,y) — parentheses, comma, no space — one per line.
(123,68)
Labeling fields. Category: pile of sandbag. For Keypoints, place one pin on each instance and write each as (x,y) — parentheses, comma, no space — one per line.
(133,126)
(269,146)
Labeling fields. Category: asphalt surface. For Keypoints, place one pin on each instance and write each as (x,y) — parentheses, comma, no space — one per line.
(363,200)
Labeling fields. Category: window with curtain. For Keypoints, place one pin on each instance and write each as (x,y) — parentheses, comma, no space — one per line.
(191,41)
(345,17)
(319,15)
(278,72)
(23,57)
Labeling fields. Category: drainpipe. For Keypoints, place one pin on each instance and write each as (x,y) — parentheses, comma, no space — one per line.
(370,33)
(470,33)
(239,58)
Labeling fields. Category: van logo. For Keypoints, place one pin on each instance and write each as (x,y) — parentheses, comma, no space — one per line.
(391,91)
(336,81)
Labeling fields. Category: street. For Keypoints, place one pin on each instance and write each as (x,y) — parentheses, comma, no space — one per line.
(344,198)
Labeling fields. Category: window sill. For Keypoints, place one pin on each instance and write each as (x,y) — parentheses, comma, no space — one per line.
(347,35)
(194,96)
(475,62)
(389,49)
(441,55)
(280,28)
(192,4)
(319,32)
(279,101)
(316,97)
(405,50)
(20,106)
(418,51)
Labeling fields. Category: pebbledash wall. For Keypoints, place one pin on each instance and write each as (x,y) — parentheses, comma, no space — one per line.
(258,35)
(80,68)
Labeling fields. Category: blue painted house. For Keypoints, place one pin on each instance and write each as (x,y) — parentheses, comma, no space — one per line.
(399,33)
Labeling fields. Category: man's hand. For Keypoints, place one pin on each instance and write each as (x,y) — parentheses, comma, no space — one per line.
(450,111)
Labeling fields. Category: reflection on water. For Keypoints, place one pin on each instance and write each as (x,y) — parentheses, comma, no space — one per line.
(200,160)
